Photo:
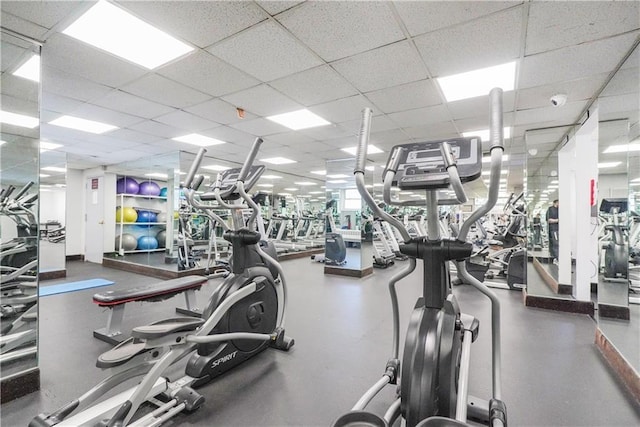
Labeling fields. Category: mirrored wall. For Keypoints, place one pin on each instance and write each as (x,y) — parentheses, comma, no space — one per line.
(53,195)
(618,298)
(19,213)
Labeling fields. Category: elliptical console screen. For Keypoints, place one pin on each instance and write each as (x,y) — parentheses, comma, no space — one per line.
(421,165)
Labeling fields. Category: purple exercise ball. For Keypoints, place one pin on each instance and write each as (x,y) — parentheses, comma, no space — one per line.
(149,188)
(127,185)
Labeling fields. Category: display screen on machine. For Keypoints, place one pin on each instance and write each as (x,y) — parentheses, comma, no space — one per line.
(421,164)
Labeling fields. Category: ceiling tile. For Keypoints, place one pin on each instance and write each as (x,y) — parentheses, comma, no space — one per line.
(576,90)
(327,26)
(187,121)
(479,106)
(165,91)
(421,116)
(131,104)
(432,132)
(553,25)
(262,100)
(293,138)
(228,134)
(43,13)
(75,57)
(327,132)
(131,135)
(481,121)
(405,97)
(11,55)
(218,111)
(424,16)
(617,106)
(265,51)
(378,124)
(310,87)
(388,138)
(199,22)
(208,74)
(342,110)
(259,127)
(626,80)
(61,104)
(104,115)
(61,83)
(22,26)
(569,113)
(492,40)
(393,64)
(158,129)
(574,62)
(273,7)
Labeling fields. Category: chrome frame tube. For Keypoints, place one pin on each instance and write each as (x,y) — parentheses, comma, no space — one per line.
(371,393)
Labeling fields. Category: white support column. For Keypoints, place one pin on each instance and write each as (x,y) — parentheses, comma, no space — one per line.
(566,209)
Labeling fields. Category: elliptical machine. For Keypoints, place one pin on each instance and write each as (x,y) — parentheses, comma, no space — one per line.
(244,316)
(615,246)
(433,388)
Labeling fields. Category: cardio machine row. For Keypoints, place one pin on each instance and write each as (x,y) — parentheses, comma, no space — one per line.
(245,313)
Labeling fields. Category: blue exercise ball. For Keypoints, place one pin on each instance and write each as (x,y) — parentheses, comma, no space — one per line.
(149,188)
(146,216)
(163,192)
(161,237)
(146,243)
(127,185)
(129,242)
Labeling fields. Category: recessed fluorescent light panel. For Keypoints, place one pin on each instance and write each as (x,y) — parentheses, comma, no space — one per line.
(44,175)
(337,181)
(2,142)
(371,149)
(278,161)
(54,169)
(110,28)
(157,175)
(604,165)
(30,69)
(19,120)
(484,134)
(319,172)
(303,183)
(478,82)
(82,124)
(44,146)
(301,119)
(199,140)
(217,168)
(623,148)
(291,189)
(271,177)
(265,185)
(503,171)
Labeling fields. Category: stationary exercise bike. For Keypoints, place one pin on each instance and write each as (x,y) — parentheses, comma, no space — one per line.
(433,381)
(244,316)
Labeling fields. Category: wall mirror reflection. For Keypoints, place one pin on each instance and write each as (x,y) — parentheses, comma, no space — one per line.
(19,207)
(53,166)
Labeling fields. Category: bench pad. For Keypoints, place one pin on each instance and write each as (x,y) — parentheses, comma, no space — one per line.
(153,292)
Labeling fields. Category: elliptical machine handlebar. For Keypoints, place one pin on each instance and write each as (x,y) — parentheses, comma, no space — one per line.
(363,142)
(250,159)
(497,148)
(23,190)
(194,167)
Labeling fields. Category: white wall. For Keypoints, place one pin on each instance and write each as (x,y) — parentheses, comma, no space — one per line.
(52,205)
(75,212)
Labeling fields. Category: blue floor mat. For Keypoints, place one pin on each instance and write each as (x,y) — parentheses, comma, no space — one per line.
(62,288)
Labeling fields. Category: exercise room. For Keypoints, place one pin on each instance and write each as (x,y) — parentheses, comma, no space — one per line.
(320,213)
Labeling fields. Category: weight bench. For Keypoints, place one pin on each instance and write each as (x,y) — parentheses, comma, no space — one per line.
(116,301)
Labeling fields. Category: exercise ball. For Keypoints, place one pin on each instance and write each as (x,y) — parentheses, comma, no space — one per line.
(126,215)
(161,237)
(161,217)
(149,188)
(163,192)
(146,243)
(146,216)
(127,185)
(129,242)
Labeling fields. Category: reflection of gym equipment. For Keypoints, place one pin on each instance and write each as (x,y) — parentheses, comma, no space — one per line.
(537,233)
(383,255)
(244,316)
(435,367)
(23,248)
(335,250)
(615,256)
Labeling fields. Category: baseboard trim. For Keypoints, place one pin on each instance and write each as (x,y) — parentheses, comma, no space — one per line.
(19,385)
(623,370)
(348,272)
(558,304)
(53,274)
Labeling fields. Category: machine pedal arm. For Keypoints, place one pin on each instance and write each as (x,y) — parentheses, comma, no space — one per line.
(497,413)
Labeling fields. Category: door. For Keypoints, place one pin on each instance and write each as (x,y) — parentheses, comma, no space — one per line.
(94,220)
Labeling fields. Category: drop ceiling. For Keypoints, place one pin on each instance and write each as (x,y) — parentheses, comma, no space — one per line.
(333,58)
